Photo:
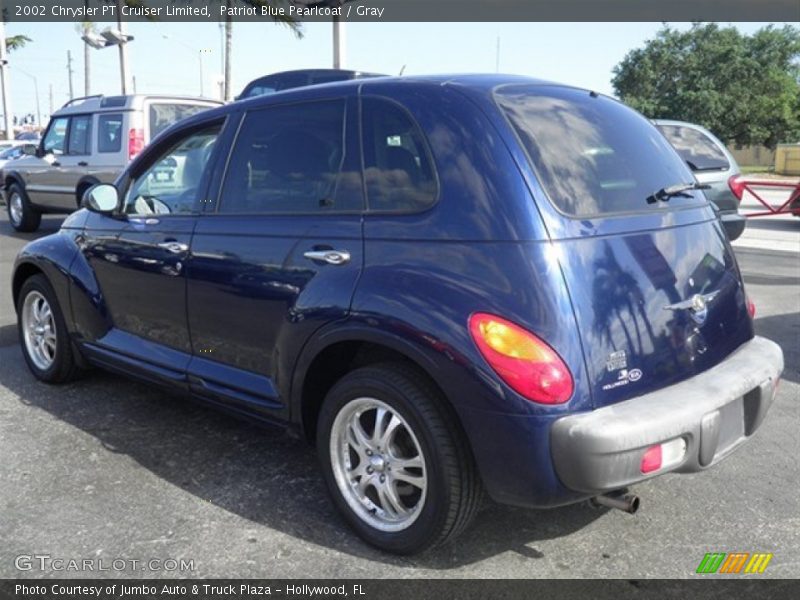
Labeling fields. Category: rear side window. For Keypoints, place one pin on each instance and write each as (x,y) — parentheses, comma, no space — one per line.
(109,132)
(80,135)
(55,140)
(593,155)
(162,115)
(699,151)
(288,159)
(397,166)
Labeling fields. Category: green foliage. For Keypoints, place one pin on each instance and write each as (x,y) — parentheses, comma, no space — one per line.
(15,42)
(745,89)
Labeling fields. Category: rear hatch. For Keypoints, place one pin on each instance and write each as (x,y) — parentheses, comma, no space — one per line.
(654,285)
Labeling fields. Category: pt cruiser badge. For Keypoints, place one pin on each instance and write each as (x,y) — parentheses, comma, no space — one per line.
(697,306)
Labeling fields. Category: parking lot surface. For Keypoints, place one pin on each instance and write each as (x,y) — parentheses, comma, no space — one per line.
(109,469)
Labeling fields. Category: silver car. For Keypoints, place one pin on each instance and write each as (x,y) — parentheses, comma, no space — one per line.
(88,141)
(712,165)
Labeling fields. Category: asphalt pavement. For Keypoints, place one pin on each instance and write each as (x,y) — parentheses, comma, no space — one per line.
(108,470)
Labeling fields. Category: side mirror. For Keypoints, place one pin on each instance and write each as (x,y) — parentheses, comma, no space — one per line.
(102,198)
(29,150)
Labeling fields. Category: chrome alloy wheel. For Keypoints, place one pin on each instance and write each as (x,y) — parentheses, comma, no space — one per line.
(15,208)
(378,464)
(39,330)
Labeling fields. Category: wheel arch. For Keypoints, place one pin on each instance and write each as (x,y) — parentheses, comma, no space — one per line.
(84,184)
(24,271)
(333,353)
(12,177)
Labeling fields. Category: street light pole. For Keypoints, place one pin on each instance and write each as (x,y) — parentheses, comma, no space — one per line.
(200,53)
(123,49)
(4,80)
(36,94)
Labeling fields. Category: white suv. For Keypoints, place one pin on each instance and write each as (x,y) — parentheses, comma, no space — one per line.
(88,141)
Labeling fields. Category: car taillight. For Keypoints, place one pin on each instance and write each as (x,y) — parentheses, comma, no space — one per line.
(527,364)
(751,308)
(135,142)
(736,183)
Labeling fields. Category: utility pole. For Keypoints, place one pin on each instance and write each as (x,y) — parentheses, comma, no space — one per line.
(4,80)
(87,65)
(339,43)
(69,72)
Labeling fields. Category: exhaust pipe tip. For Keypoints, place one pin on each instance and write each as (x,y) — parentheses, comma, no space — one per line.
(621,500)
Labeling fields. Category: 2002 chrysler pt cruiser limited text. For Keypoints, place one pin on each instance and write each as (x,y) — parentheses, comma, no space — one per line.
(451,285)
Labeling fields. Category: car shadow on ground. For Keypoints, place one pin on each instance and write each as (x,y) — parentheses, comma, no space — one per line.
(50,224)
(770,223)
(259,473)
(784,330)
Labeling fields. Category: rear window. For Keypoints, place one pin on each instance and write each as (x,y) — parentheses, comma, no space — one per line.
(163,115)
(699,151)
(593,155)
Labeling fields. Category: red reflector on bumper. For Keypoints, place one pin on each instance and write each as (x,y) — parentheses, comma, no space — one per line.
(651,461)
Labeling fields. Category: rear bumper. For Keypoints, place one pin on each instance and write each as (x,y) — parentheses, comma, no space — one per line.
(714,412)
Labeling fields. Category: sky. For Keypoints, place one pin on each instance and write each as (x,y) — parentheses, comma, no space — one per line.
(164,56)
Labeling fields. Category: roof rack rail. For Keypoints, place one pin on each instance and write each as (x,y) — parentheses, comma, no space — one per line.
(81,99)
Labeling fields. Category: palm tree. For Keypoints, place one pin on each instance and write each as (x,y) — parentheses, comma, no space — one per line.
(282,19)
(15,42)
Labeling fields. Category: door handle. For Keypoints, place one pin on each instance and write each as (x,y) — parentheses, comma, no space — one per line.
(83,163)
(332,257)
(174,247)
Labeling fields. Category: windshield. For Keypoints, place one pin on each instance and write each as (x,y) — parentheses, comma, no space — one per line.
(592,154)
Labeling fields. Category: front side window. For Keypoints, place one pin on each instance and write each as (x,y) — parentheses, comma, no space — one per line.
(80,135)
(397,167)
(172,182)
(699,151)
(593,155)
(288,159)
(109,132)
(55,140)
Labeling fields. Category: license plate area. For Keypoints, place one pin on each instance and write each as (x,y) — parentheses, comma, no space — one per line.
(731,426)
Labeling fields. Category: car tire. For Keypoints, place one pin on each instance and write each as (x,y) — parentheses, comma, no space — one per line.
(434,491)
(43,333)
(21,214)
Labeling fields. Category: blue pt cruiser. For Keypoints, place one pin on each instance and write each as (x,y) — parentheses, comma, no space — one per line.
(450,284)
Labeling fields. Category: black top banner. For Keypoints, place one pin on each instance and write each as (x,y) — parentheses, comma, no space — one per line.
(400,10)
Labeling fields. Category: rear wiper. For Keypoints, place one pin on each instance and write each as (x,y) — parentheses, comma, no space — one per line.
(679,189)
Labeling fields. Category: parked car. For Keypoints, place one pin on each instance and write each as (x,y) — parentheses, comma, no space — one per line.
(88,141)
(28,136)
(15,151)
(8,144)
(713,166)
(451,284)
(277,82)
